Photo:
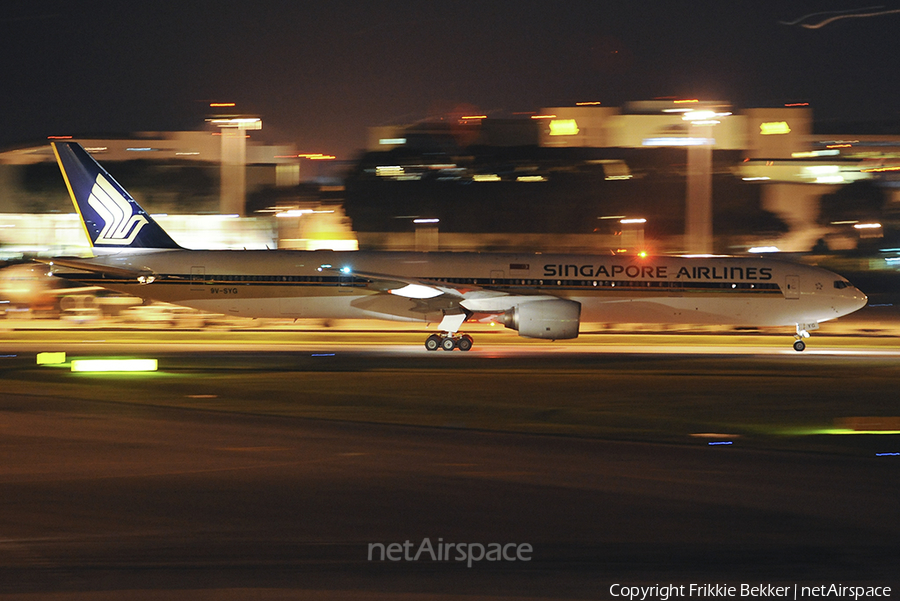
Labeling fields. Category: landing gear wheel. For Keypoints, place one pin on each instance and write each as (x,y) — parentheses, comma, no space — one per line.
(465,343)
(799,346)
(448,344)
(433,342)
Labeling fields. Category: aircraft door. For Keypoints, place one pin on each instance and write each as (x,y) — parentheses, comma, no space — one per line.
(792,286)
(198,277)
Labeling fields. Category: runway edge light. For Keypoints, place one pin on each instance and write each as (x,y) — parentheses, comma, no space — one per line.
(51,358)
(113,365)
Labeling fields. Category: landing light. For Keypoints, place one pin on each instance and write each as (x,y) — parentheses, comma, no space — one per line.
(416,291)
(345,270)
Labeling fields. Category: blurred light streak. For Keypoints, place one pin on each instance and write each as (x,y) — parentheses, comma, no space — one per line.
(774,128)
(563,127)
(880,169)
(830,179)
(113,365)
(677,141)
(587,103)
(763,249)
(703,117)
(51,358)
(815,153)
(855,13)
(543,116)
(389,170)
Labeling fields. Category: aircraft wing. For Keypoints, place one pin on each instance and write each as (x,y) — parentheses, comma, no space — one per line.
(405,295)
(421,288)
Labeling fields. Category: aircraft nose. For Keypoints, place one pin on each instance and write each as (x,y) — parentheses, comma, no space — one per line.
(855,300)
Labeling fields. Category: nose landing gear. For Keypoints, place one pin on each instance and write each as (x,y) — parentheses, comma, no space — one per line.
(803,332)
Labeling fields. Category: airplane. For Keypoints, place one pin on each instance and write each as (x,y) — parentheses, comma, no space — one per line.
(543,296)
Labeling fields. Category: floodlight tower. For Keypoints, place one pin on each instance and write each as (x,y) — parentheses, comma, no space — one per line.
(233,174)
(698,223)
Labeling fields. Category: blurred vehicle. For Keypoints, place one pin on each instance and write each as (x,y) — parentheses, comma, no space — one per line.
(29,285)
(163,315)
(81,315)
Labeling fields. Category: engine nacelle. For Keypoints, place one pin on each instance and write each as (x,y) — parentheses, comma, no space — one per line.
(555,319)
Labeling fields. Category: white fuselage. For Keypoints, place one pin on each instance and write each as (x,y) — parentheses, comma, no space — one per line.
(309,284)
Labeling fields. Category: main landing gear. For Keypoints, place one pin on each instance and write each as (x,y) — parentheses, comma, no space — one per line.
(448,342)
(451,338)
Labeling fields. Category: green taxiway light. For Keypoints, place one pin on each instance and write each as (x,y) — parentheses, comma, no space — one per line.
(113,365)
(51,358)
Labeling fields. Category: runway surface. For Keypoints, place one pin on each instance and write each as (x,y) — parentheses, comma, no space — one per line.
(178,486)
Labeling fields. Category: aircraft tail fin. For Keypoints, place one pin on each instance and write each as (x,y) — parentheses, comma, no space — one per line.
(110,216)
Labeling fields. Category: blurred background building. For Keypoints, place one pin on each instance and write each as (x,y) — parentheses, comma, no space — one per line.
(664,176)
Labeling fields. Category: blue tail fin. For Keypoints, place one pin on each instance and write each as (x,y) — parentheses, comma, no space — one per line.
(111,217)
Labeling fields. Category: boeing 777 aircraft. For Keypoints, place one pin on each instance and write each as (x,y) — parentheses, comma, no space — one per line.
(539,295)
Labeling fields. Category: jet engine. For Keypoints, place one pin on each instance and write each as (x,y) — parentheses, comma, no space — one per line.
(555,319)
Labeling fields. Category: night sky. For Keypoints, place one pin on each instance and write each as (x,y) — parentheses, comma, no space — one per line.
(319,73)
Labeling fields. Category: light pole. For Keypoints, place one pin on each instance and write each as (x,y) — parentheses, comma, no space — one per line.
(233,174)
(698,226)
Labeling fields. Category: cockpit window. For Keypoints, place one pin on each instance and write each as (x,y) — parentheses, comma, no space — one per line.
(840,284)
